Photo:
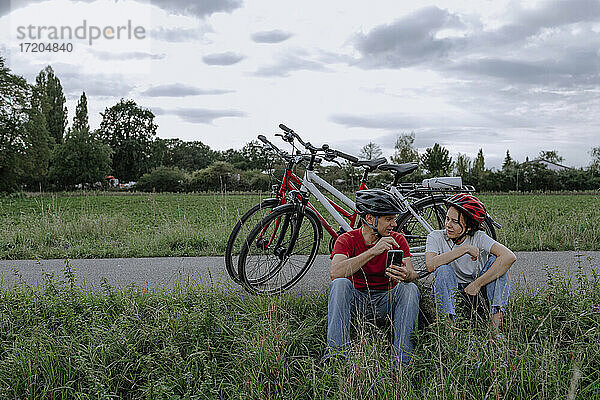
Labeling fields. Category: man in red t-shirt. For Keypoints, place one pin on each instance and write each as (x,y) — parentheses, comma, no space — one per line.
(363,284)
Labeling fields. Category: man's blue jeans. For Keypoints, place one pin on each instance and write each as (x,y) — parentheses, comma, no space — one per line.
(446,288)
(400,303)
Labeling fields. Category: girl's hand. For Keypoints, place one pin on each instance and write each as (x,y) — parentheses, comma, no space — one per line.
(472,251)
(472,288)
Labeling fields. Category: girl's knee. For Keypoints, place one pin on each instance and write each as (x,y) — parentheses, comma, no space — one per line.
(444,272)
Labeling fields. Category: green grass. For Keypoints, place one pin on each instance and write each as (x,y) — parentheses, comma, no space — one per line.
(58,342)
(97,225)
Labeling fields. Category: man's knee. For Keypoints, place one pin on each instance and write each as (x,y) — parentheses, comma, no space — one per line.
(340,287)
(407,293)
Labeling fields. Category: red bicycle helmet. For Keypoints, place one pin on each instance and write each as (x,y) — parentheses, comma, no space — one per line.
(469,204)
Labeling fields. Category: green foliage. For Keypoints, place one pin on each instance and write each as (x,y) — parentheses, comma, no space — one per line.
(551,155)
(81,159)
(220,177)
(595,165)
(404,150)
(80,121)
(102,225)
(437,160)
(463,165)
(129,130)
(192,342)
(370,151)
(188,156)
(163,179)
(52,103)
(24,141)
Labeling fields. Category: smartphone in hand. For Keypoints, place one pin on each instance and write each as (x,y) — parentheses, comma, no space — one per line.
(394,257)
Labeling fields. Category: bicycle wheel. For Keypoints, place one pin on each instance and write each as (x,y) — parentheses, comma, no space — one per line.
(241,230)
(279,250)
(433,210)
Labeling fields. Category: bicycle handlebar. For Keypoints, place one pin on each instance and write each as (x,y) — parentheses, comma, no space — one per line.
(313,149)
(285,128)
(280,152)
(346,156)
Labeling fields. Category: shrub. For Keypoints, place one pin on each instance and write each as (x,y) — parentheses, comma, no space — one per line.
(163,179)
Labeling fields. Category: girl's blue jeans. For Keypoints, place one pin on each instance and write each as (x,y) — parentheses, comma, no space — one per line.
(446,288)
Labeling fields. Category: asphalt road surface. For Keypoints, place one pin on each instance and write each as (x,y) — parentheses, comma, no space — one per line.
(528,272)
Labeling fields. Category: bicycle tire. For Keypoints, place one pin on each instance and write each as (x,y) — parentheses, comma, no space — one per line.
(433,210)
(241,230)
(265,268)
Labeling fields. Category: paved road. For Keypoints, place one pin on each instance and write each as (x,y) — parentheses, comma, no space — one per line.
(529,272)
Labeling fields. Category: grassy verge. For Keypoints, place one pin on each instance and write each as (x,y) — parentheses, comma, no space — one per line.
(59,342)
(103,226)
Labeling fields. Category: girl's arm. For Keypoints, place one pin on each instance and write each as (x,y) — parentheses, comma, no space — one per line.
(433,260)
(504,260)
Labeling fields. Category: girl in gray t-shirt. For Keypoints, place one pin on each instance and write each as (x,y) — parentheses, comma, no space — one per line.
(468,261)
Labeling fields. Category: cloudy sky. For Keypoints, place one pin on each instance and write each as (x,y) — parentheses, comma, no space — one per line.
(491,74)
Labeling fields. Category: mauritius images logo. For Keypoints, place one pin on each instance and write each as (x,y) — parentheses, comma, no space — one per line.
(85,31)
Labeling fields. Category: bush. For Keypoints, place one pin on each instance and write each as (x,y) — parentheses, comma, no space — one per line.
(163,179)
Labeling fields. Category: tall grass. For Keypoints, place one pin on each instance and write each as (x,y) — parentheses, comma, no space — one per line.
(98,225)
(60,342)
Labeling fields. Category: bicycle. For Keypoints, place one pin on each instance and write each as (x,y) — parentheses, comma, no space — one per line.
(291,183)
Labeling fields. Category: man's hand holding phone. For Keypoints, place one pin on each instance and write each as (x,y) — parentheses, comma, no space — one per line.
(396,266)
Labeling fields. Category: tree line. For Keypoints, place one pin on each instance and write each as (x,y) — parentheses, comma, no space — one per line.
(40,152)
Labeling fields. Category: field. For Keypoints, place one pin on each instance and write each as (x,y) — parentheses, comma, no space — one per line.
(59,342)
(97,225)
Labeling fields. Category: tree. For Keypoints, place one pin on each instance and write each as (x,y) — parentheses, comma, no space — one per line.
(52,102)
(82,158)
(404,151)
(595,165)
(437,160)
(478,165)
(24,141)
(508,162)
(551,155)
(370,151)
(163,179)
(80,121)
(463,165)
(129,130)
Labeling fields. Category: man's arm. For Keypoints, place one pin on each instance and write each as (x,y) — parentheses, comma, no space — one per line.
(504,260)
(433,260)
(342,266)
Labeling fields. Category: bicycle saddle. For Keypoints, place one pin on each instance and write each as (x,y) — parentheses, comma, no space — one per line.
(399,169)
(370,164)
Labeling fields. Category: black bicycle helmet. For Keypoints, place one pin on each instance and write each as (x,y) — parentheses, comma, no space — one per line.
(377,202)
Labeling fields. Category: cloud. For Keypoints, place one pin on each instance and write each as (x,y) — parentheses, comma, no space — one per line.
(180,90)
(132,55)
(228,58)
(94,85)
(175,35)
(387,122)
(575,67)
(199,115)
(415,38)
(408,41)
(275,36)
(198,9)
(289,63)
